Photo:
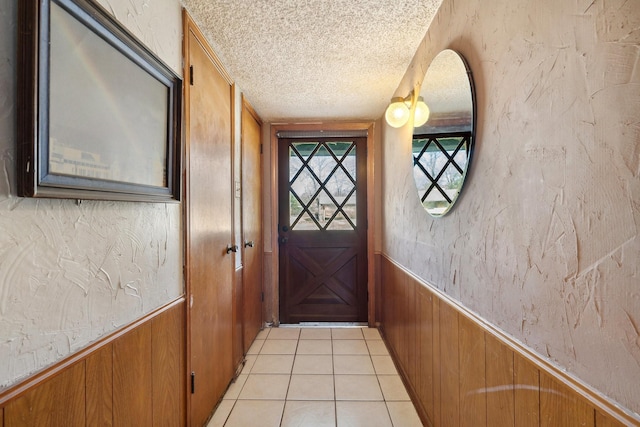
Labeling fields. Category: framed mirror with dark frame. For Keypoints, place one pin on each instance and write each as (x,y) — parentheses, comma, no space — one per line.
(443,146)
(99,115)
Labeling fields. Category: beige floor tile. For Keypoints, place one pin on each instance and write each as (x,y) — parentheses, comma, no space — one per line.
(263,334)
(347,334)
(350,347)
(314,347)
(352,364)
(250,359)
(392,388)
(313,364)
(357,387)
(358,414)
(267,387)
(222,413)
(384,365)
(311,387)
(255,347)
(284,334)
(371,334)
(315,334)
(377,348)
(251,413)
(279,346)
(404,414)
(273,364)
(309,414)
(235,387)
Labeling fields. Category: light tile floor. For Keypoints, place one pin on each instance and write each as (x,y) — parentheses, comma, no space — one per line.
(316,377)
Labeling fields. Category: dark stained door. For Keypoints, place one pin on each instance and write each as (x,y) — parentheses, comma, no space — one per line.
(251,224)
(322,230)
(209,231)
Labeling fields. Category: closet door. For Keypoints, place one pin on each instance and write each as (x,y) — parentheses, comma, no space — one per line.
(208,223)
(251,223)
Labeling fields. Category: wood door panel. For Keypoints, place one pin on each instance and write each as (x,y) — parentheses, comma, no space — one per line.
(99,383)
(58,402)
(209,219)
(251,223)
(132,379)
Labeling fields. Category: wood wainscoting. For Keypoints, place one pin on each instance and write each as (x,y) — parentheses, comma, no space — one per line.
(461,371)
(133,377)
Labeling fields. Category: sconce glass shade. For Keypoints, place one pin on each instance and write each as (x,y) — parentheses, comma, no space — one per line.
(397,113)
(421,114)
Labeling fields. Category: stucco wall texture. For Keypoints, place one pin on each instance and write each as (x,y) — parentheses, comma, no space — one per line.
(70,273)
(543,242)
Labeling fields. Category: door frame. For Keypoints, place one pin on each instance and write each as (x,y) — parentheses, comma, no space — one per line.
(369,127)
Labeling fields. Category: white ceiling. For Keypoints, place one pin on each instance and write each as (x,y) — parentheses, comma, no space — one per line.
(308,60)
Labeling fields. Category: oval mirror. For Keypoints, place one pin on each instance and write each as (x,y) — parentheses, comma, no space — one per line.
(442,146)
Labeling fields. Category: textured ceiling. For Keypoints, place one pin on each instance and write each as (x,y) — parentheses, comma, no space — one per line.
(308,60)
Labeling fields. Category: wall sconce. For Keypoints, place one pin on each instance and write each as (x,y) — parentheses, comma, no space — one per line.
(399,111)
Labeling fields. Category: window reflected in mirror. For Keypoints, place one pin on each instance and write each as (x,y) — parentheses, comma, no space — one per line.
(442,147)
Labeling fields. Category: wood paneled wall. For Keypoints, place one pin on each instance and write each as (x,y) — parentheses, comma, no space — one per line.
(136,378)
(462,373)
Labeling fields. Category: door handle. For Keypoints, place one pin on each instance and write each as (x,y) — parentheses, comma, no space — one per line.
(233,249)
(248,244)
(282,240)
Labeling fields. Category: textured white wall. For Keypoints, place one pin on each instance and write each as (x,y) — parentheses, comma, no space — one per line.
(544,240)
(71,273)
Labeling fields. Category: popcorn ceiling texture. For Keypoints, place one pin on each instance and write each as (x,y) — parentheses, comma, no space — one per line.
(315,59)
(543,242)
(70,273)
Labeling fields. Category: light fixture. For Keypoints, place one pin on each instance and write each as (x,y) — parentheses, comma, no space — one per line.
(399,111)
(421,114)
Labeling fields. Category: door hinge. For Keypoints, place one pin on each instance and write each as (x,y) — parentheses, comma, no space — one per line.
(191,75)
(262,296)
(193,382)
(260,148)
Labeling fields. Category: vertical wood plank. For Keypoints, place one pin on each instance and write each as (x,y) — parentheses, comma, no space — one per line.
(168,368)
(58,402)
(500,389)
(437,365)
(424,347)
(450,363)
(604,420)
(99,384)
(410,319)
(473,397)
(526,379)
(560,406)
(132,383)
(1,417)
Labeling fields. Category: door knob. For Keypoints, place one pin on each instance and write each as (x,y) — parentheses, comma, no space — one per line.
(233,249)
(248,244)
(282,240)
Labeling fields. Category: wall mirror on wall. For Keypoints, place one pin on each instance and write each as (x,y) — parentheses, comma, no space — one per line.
(442,146)
(98,112)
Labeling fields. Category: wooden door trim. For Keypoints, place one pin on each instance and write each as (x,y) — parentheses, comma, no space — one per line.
(275,264)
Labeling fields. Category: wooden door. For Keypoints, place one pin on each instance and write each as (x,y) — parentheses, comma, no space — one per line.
(251,223)
(209,225)
(322,230)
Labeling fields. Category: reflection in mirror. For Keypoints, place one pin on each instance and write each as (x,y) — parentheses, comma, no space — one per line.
(442,146)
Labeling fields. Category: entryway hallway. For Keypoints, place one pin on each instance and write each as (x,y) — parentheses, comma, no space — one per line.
(316,377)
